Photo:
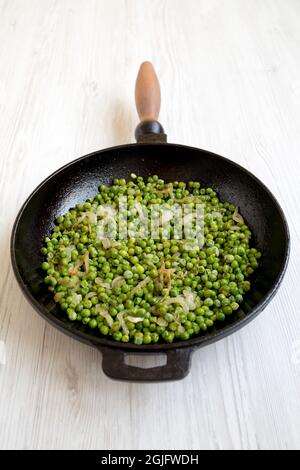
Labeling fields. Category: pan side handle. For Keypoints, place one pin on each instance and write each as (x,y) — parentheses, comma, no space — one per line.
(148,99)
(177,366)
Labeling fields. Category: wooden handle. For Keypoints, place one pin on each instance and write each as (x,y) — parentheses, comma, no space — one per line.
(147,93)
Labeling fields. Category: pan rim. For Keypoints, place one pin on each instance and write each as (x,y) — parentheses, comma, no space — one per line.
(195,342)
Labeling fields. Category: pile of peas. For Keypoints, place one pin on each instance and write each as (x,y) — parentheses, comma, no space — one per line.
(216,274)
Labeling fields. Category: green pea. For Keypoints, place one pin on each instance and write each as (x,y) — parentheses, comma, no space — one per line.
(71,314)
(184,336)
(139,268)
(128,274)
(138,338)
(93,323)
(227,310)
(85,312)
(234,305)
(147,339)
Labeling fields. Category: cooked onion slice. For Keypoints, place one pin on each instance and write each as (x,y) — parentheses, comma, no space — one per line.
(106,242)
(178,300)
(189,299)
(134,319)
(76,298)
(123,325)
(102,283)
(104,313)
(92,217)
(69,282)
(90,295)
(140,285)
(117,282)
(237,217)
(161,321)
(58,297)
(86,262)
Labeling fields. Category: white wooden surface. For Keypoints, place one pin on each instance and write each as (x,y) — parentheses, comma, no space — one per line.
(230,78)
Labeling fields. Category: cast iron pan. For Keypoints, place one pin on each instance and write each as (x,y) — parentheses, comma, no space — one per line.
(78,180)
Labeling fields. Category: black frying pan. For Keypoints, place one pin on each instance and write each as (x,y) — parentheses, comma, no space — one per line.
(77,181)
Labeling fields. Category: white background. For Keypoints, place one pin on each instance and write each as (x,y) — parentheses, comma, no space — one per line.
(230,79)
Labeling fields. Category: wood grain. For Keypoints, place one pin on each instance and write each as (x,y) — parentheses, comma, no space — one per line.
(230,82)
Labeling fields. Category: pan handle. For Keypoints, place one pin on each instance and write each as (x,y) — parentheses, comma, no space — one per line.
(177,366)
(148,99)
